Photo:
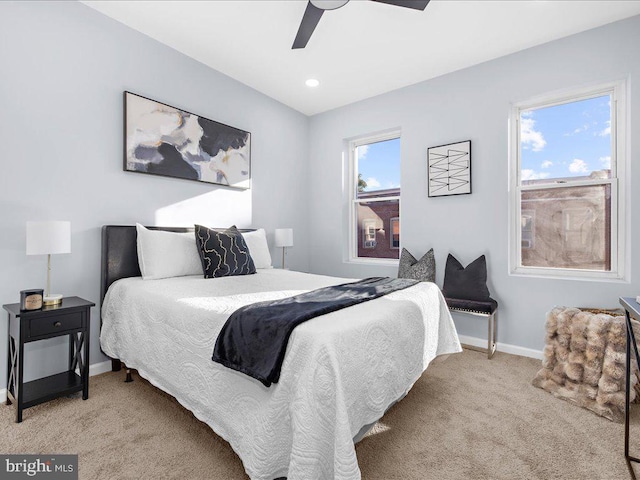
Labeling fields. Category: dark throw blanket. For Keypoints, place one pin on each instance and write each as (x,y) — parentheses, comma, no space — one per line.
(254,338)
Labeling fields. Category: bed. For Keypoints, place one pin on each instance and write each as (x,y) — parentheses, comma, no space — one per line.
(341,371)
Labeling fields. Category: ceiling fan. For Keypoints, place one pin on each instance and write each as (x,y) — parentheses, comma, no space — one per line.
(315,9)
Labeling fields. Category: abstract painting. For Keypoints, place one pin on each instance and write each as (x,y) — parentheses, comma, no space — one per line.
(163,140)
(449,169)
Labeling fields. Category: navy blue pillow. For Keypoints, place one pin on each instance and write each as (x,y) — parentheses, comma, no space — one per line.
(468,283)
(223,253)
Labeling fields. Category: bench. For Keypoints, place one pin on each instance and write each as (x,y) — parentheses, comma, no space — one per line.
(483,309)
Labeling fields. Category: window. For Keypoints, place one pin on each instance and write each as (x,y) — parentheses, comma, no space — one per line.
(369,233)
(567,165)
(375,198)
(528,228)
(394,227)
(578,232)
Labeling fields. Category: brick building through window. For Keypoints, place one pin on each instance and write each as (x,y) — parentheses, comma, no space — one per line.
(378,225)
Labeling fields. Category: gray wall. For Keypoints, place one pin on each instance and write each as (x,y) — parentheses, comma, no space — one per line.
(64,68)
(474,104)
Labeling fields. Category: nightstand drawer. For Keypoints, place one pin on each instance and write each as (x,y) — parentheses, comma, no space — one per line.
(53,324)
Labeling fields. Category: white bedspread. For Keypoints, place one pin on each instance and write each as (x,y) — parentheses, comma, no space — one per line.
(341,370)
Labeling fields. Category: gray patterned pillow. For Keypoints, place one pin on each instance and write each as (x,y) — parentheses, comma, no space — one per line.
(224,253)
(423,270)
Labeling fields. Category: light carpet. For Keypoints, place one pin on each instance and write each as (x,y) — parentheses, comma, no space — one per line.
(466,417)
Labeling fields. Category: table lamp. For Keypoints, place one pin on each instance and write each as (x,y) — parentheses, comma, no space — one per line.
(47,238)
(284,238)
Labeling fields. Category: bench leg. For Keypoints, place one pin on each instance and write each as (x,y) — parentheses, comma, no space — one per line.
(491,335)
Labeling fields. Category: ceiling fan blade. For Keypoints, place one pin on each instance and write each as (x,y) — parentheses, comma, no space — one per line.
(415,4)
(309,22)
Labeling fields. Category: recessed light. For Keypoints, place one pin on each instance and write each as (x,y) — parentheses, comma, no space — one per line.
(312,82)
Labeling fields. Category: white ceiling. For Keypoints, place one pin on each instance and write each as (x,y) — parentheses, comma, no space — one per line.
(360,50)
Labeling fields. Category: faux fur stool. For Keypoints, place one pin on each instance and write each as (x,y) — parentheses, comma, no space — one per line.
(584,360)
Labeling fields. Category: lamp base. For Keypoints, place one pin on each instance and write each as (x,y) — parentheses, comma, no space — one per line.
(52,299)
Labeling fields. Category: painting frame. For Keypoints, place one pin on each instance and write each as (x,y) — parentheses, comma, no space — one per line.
(440,181)
(167,141)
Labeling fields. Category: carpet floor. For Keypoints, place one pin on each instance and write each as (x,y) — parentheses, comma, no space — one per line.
(466,417)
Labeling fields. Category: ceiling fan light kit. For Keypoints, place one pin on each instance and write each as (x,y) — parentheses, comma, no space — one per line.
(315,9)
(328,4)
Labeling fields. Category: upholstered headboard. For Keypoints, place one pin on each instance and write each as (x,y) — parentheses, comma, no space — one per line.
(120,253)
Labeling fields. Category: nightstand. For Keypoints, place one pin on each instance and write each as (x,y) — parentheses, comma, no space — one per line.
(71,317)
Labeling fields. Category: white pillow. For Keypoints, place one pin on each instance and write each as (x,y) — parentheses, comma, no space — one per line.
(258,248)
(167,254)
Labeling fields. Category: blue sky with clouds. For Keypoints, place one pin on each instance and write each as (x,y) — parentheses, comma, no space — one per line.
(569,140)
(379,164)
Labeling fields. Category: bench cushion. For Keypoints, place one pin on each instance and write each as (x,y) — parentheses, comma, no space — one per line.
(487,307)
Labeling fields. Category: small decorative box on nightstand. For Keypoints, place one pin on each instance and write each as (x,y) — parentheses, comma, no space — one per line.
(71,317)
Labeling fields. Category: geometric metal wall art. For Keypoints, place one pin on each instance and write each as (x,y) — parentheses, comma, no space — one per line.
(449,169)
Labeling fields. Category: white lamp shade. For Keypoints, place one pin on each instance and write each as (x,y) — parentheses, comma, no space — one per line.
(48,238)
(284,237)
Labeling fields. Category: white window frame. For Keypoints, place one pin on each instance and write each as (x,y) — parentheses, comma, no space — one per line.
(619,161)
(352,187)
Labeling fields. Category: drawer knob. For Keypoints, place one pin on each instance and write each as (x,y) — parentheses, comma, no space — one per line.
(57,324)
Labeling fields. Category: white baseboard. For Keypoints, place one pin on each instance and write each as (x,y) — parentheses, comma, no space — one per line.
(502,347)
(95,369)
(98,368)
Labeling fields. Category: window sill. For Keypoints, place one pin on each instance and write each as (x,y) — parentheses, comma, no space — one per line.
(389,262)
(574,275)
